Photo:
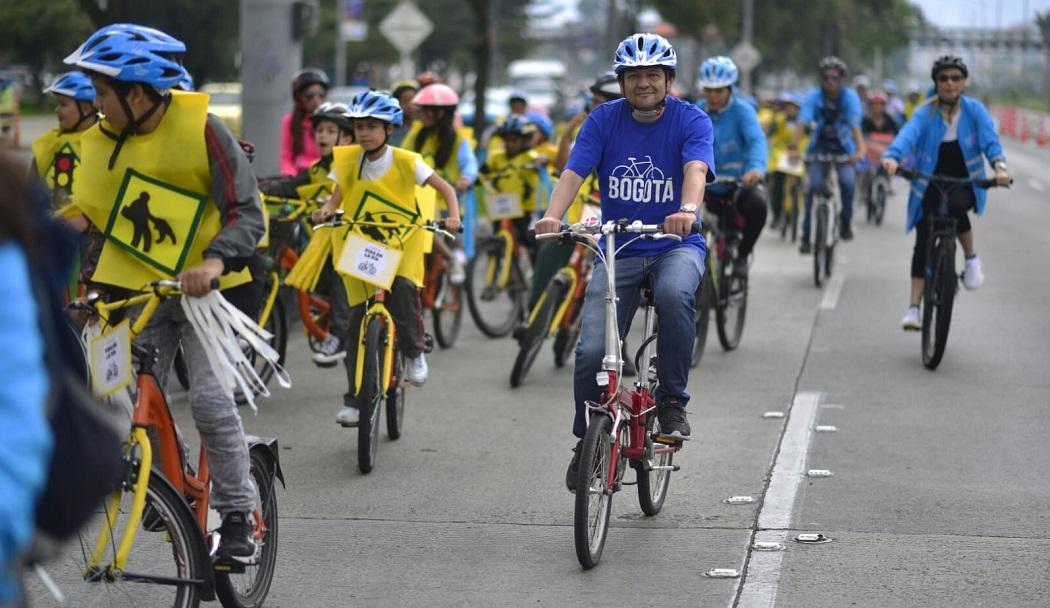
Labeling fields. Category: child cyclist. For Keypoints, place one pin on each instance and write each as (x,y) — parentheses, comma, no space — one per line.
(514,172)
(332,127)
(377,182)
(56,153)
(159,163)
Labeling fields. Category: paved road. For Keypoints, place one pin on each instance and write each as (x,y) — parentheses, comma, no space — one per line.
(937,496)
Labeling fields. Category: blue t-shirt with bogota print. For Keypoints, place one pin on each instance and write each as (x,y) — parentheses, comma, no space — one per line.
(641,165)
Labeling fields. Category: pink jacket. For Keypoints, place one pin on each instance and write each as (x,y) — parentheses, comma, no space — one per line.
(290,163)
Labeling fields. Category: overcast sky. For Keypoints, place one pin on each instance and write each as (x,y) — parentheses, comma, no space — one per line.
(980,13)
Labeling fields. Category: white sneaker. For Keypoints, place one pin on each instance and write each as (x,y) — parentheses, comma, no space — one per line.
(417,370)
(972,276)
(330,352)
(348,416)
(911,322)
(457,272)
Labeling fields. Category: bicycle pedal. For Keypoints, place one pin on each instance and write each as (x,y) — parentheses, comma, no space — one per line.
(672,440)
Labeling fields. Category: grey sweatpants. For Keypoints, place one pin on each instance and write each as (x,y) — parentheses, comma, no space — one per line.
(215,414)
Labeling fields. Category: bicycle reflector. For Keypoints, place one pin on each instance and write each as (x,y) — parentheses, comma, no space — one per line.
(603,378)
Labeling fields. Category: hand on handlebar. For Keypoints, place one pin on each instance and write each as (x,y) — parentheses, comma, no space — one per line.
(321,215)
(548,225)
(1002,178)
(752,177)
(452,223)
(199,280)
(889,166)
(680,224)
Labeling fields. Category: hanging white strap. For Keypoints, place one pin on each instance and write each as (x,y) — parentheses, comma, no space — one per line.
(218,325)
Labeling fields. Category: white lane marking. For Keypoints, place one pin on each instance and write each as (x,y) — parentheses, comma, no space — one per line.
(1036,185)
(762,576)
(832,292)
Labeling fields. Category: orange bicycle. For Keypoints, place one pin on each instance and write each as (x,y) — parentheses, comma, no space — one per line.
(152,543)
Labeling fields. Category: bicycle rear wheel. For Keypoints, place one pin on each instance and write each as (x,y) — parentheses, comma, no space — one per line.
(447,312)
(938,301)
(731,310)
(495,309)
(370,395)
(653,484)
(249,588)
(593,492)
(702,315)
(167,564)
(820,243)
(536,331)
(395,400)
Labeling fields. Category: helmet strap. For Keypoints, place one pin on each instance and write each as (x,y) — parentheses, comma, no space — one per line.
(133,124)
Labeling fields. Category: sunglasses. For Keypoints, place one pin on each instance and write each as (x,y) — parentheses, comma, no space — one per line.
(950,77)
(832,78)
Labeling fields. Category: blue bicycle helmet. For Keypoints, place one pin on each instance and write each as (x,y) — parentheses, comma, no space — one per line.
(516,123)
(132,53)
(718,73)
(542,123)
(643,51)
(185,83)
(378,105)
(73,84)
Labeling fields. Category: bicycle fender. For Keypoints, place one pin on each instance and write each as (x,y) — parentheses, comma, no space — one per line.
(267,448)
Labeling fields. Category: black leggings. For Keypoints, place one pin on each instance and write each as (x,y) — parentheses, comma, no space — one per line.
(960,200)
(751,205)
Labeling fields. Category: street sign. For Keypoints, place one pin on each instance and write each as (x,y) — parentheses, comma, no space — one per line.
(745,56)
(406,27)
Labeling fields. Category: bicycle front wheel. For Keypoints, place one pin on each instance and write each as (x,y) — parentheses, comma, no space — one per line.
(495,308)
(937,304)
(879,197)
(653,483)
(820,244)
(447,312)
(732,309)
(593,492)
(248,588)
(536,332)
(371,394)
(167,564)
(702,316)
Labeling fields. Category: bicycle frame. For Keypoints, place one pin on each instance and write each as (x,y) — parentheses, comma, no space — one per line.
(826,195)
(378,310)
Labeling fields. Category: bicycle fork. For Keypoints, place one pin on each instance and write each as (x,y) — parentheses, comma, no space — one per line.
(377,310)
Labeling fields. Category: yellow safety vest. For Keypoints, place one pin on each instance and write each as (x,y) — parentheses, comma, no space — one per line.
(155,205)
(321,186)
(56,155)
(450,172)
(519,176)
(389,199)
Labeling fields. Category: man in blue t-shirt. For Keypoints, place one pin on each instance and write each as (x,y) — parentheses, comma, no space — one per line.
(834,113)
(652,154)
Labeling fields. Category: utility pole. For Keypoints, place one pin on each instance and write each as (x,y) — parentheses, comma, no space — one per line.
(270,56)
(749,16)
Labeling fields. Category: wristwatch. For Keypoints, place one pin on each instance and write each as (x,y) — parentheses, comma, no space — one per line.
(688,208)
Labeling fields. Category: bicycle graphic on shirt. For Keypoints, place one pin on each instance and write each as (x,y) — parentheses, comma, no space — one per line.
(643,169)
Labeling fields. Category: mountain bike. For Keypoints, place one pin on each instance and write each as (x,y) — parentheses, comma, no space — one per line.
(942,279)
(825,213)
(379,374)
(152,544)
(726,289)
(556,313)
(876,184)
(623,427)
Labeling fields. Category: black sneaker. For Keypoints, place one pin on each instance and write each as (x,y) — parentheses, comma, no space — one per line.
(804,248)
(236,539)
(673,421)
(574,468)
(846,232)
(742,267)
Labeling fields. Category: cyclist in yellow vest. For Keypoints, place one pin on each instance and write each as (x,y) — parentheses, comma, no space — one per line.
(448,150)
(175,196)
(377,183)
(514,176)
(56,153)
(332,127)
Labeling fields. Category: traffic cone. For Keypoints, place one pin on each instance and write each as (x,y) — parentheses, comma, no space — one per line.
(1025,134)
(1040,139)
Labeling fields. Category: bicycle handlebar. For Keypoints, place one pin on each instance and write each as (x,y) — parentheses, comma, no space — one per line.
(584,229)
(828,158)
(948,179)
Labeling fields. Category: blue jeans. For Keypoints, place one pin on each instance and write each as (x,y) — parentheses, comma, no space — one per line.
(847,174)
(676,274)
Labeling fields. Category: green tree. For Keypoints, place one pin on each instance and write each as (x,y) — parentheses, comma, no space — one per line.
(41,34)
(209,28)
(794,34)
(1042,21)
